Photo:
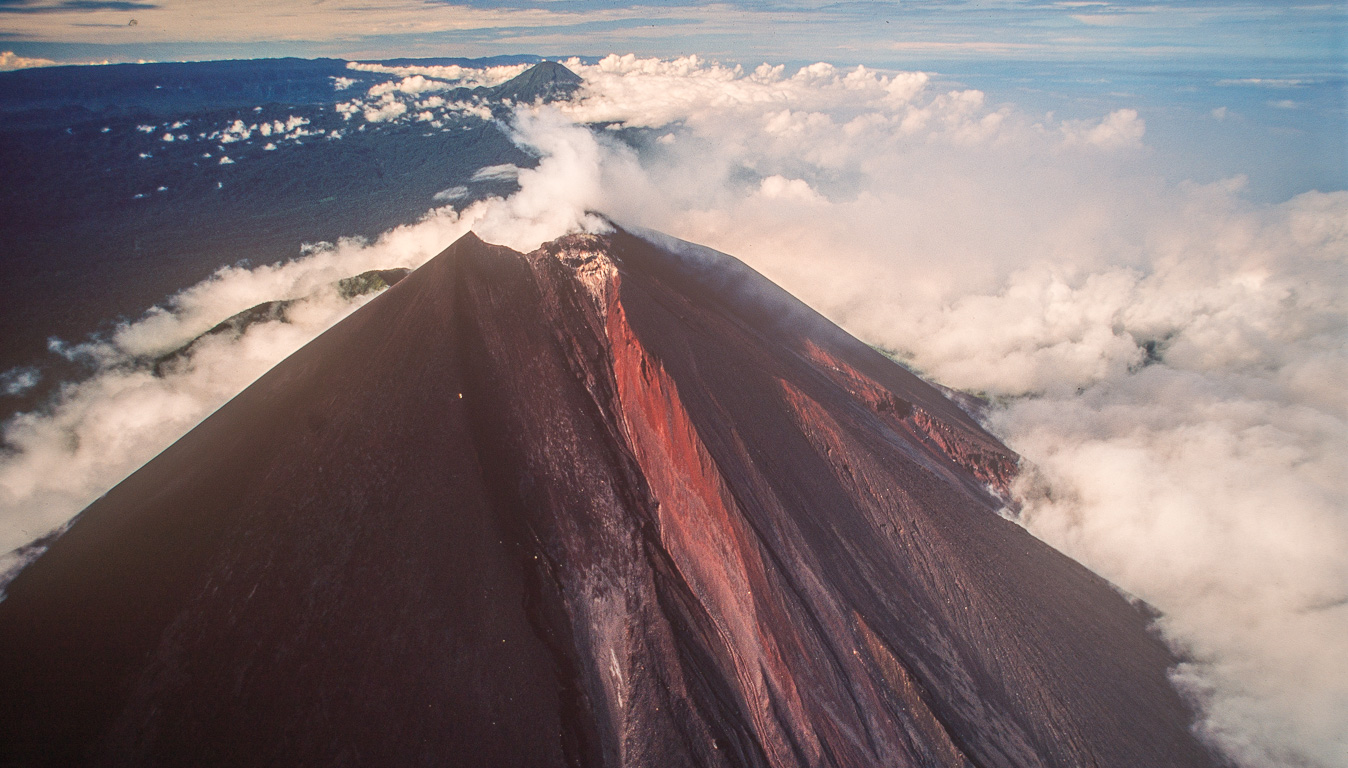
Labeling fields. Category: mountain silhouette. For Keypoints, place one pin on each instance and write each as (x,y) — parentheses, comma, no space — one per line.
(545,81)
(617,502)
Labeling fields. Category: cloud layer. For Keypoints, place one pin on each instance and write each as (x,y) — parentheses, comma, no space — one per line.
(1168,358)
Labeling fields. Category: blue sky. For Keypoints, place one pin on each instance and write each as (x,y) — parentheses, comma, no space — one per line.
(1264,84)
(1298,35)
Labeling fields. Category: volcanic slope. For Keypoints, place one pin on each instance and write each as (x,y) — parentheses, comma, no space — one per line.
(620,502)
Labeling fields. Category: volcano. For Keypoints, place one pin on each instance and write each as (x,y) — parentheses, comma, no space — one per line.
(617,502)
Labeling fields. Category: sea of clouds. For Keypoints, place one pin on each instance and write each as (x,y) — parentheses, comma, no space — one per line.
(1168,357)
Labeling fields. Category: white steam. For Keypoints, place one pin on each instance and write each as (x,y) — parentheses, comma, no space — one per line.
(1169,358)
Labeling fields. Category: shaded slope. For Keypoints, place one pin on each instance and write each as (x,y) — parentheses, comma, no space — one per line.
(605,504)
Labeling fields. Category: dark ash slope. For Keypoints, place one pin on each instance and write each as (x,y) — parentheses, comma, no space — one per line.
(610,503)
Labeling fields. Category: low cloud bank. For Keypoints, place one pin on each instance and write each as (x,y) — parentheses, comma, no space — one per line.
(1168,358)
(457,76)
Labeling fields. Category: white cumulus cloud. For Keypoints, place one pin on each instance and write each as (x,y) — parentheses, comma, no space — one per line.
(457,76)
(385,110)
(413,84)
(9,60)
(1121,128)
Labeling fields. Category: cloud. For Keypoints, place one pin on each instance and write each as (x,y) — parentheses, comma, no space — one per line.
(292,128)
(782,189)
(1121,128)
(979,47)
(390,102)
(480,111)
(263,21)
(575,169)
(451,194)
(236,131)
(505,171)
(8,61)
(387,109)
(17,381)
(413,84)
(1168,358)
(655,92)
(1267,82)
(457,76)
(741,30)
(1112,19)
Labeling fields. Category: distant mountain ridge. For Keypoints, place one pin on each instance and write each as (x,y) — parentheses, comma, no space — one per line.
(50,93)
(169,87)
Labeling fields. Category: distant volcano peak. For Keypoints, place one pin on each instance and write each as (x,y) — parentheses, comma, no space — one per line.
(620,501)
(545,81)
